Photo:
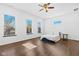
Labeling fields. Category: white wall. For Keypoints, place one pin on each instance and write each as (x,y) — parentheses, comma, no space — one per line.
(69,25)
(20,17)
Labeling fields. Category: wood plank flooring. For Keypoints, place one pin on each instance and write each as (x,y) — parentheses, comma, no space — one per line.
(61,48)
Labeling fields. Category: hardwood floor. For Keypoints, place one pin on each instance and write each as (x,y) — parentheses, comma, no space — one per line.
(61,48)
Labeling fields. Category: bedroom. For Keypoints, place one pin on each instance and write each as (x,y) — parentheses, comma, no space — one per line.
(27,31)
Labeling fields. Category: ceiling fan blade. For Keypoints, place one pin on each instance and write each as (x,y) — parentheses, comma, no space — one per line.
(50,7)
(48,3)
(46,10)
(41,9)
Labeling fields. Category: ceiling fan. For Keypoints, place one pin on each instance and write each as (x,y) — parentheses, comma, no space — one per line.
(46,7)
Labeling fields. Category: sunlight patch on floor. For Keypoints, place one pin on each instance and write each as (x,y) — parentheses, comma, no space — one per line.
(29,45)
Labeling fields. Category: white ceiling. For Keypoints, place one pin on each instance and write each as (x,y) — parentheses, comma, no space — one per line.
(33,8)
